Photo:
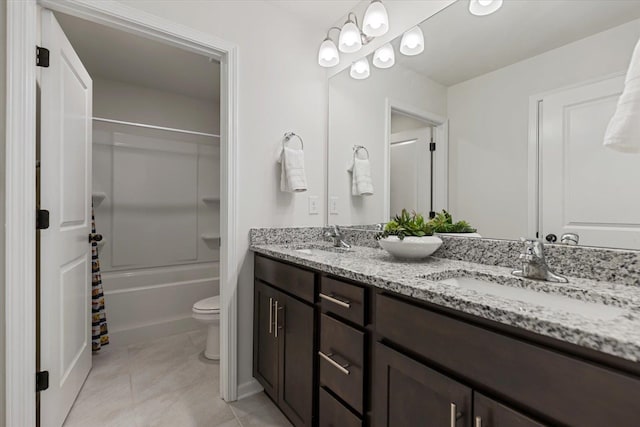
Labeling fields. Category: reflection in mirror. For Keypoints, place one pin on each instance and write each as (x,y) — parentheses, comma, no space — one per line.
(517,103)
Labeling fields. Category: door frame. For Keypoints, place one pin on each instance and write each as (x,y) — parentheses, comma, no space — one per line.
(534,151)
(441,162)
(20,256)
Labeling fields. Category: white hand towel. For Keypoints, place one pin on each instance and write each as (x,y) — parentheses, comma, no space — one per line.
(361,183)
(623,132)
(292,177)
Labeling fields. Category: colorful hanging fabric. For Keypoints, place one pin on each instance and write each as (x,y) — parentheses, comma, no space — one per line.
(99,330)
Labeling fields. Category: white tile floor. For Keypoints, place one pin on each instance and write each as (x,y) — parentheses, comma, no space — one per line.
(164,382)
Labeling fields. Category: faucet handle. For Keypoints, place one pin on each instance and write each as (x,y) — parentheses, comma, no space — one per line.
(532,247)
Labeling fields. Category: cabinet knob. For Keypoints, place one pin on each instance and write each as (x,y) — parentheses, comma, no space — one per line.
(551,238)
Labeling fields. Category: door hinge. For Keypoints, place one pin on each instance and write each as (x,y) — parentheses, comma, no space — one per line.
(42,219)
(42,380)
(432,215)
(432,146)
(42,56)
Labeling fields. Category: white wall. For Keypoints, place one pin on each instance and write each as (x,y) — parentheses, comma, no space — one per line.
(488,125)
(3,56)
(122,101)
(357,115)
(281,88)
(155,264)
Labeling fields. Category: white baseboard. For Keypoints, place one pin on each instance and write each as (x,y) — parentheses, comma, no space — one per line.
(155,330)
(249,388)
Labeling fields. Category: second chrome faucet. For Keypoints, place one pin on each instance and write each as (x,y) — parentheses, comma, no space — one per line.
(534,264)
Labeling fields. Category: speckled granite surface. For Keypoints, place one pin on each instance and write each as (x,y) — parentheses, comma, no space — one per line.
(610,265)
(614,329)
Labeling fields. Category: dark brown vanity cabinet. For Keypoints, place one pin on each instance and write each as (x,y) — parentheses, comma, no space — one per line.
(334,353)
(283,358)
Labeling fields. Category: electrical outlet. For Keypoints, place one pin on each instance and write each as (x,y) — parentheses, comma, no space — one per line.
(314,203)
(333,205)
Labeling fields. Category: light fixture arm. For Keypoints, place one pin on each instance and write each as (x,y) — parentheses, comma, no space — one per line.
(365,39)
(329,32)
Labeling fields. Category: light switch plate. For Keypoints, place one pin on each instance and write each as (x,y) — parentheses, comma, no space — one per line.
(333,205)
(314,208)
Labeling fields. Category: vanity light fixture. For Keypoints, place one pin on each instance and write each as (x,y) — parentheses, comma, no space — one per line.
(352,38)
(376,20)
(384,57)
(412,42)
(484,7)
(360,69)
(328,55)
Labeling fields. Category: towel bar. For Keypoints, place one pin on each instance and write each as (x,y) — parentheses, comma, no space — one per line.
(288,136)
(357,148)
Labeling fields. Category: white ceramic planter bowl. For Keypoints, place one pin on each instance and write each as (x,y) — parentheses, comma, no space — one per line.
(410,247)
(459,234)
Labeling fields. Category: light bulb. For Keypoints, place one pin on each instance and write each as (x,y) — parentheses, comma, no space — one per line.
(412,42)
(349,38)
(484,7)
(328,54)
(384,57)
(360,69)
(376,20)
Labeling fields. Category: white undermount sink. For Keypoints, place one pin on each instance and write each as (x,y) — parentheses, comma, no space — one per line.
(591,310)
(322,250)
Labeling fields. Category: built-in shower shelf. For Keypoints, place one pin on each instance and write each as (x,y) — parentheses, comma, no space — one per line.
(98,197)
(211,238)
(211,199)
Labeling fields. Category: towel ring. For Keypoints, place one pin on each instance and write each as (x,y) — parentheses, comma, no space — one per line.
(288,136)
(357,148)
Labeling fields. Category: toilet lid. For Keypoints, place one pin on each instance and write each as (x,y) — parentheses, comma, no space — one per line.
(208,304)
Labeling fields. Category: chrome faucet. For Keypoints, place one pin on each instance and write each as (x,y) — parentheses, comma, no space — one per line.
(534,265)
(334,233)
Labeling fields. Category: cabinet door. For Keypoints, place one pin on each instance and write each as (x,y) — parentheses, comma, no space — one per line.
(407,393)
(489,413)
(295,330)
(265,344)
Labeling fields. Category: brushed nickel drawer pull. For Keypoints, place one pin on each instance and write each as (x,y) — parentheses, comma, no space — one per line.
(270,315)
(333,299)
(454,414)
(478,422)
(341,368)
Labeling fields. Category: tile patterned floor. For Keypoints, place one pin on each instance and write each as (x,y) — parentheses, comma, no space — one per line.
(164,382)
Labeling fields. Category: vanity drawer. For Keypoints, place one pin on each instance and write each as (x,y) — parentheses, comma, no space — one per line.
(543,381)
(333,414)
(343,299)
(342,360)
(294,280)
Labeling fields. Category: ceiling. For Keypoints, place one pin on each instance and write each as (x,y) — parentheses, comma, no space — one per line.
(116,55)
(460,46)
(319,13)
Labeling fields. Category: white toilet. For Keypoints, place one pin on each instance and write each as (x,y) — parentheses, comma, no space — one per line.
(208,311)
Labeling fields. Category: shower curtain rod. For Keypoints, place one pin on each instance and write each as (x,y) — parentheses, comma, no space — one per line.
(143,125)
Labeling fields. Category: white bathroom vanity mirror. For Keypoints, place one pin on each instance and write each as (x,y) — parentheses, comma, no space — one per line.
(517,103)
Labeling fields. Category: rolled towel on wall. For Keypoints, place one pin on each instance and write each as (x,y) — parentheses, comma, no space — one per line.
(293,178)
(623,132)
(361,183)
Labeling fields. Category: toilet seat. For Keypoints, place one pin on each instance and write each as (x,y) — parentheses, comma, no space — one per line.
(209,305)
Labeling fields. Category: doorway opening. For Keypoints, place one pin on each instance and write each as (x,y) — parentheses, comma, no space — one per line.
(21,149)
(417,156)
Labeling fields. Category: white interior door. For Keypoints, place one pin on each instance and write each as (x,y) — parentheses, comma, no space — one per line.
(586,188)
(65,266)
(410,175)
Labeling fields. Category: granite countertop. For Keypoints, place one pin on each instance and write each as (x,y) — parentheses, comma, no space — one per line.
(617,334)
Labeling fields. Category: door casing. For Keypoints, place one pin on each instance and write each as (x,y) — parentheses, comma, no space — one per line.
(20,169)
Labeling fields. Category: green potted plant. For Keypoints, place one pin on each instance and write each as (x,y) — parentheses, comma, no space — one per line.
(443,223)
(408,236)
